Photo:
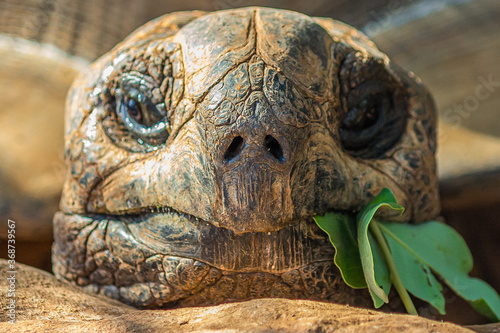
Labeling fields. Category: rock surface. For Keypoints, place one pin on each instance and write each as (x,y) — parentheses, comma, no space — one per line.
(46,304)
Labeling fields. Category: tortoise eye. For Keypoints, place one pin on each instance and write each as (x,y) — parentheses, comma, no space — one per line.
(134,110)
(375,120)
(138,113)
(368,113)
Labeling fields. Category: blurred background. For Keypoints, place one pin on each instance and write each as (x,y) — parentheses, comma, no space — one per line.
(452,45)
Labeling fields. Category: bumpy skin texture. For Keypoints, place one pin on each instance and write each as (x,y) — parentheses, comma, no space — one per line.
(268,117)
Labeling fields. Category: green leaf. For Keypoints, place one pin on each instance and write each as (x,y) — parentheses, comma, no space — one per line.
(415,274)
(382,274)
(440,247)
(374,254)
(341,230)
(385,199)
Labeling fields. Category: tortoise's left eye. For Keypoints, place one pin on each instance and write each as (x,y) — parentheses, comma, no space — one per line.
(375,120)
(138,113)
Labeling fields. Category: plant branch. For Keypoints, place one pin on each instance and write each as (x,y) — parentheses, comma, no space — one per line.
(396,280)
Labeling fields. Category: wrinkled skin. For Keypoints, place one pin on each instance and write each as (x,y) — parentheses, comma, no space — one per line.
(253,121)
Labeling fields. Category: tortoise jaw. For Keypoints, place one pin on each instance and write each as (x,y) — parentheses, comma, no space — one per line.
(165,231)
(169,259)
(168,232)
(110,256)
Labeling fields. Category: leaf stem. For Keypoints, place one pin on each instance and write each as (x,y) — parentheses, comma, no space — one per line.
(396,280)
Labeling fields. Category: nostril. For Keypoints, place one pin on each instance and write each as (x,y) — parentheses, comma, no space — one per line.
(274,148)
(234,149)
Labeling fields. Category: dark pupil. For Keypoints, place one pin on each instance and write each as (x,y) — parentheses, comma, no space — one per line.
(366,113)
(372,113)
(133,108)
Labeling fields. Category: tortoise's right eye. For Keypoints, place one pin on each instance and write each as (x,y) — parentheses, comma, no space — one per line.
(134,109)
(138,113)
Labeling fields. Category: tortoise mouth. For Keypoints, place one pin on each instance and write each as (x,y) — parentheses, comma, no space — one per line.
(167,259)
(165,231)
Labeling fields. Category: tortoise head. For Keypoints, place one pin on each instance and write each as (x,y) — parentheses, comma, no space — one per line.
(215,137)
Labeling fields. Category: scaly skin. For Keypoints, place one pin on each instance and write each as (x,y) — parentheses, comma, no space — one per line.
(105,259)
(251,122)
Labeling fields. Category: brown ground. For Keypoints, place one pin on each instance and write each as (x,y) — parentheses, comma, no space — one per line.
(46,304)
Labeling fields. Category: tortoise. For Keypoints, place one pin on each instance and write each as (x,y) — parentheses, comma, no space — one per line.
(200,148)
